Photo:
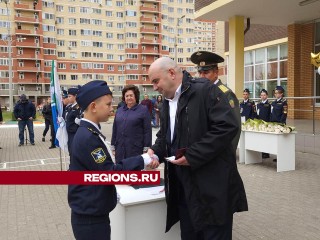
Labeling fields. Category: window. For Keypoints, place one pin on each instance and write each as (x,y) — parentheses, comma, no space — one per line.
(131,13)
(109,3)
(120,46)
(72,21)
(60,43)
(96,10)
(71,9)
(61,54)
(72,32)
(109,56)
(87,77)
(86,65)
(84,20)
(110,68)
(73,55)
(109,46)
(120,36)
(119,3)
(109,35)
(74,77)
(62,77)
(47,15)
(109,13)
(97,33)
(120,25)
(85,10)
(59,20)
(73,66)
(60,31)
(72,43)
(62,66)
(119,14)
(59,8)
(98,66)
(97,55)
(265,68)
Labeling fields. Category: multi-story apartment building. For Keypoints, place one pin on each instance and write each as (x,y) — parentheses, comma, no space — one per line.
(110,40)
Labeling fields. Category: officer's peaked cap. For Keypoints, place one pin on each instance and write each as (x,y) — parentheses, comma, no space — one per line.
(91,91)
(279,88)
(206,60)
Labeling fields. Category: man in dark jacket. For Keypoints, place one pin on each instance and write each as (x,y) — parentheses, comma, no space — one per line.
(203,186)
(47,114)
(25,112)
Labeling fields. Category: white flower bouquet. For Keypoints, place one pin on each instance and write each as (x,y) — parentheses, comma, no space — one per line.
(258,125)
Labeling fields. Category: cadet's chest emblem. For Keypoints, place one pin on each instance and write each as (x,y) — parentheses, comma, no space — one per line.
(98,155)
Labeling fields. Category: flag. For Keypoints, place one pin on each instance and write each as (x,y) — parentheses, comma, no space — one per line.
(57,109)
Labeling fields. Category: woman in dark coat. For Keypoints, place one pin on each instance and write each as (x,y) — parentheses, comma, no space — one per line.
(131,133)
(157,108)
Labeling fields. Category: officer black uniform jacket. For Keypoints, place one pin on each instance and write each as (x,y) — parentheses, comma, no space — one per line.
(234,103)
(24,110)
(248,109)
(90,154)
(206,125)
(264,111)
(279,111)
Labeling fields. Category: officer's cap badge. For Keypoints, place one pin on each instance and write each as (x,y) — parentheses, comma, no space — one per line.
(203,63)
(98,155)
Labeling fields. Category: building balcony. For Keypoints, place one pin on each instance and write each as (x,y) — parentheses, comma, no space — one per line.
(149,30)
(150,19)
(28,56)
(28,69)
(28,32)
(149,9)
(25,44)
(24,6)
(31,20)
(150,41)
(133,50)
(150,52)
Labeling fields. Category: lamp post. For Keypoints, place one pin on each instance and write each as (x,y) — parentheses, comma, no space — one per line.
(9,39)
(176,39)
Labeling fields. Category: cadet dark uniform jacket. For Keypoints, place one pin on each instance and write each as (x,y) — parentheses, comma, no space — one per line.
(279,111)
(206,125)
(72,113)
(25,110)
(248,109)
(90,154)
(264,111)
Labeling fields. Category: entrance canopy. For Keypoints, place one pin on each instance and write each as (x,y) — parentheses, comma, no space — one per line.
(266,12)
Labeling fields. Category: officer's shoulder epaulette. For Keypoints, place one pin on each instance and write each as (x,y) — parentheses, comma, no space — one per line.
(283,100)
(223,88)
(93,131)
(251,101)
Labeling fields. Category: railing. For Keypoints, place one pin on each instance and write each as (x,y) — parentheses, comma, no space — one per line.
(301,110)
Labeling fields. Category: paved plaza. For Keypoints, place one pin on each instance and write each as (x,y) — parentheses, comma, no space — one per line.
(282,206)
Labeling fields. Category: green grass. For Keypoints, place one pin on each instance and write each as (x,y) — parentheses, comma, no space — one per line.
(7,116)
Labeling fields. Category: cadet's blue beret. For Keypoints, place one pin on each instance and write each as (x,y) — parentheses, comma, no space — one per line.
(265,91)
(64,94)
(279,88)
(246,90)
(73,91)
(91,91)
(206,60)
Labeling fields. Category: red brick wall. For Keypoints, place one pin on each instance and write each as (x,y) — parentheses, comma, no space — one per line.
(300,70)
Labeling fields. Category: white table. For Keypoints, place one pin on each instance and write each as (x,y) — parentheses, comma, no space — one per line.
(252,144)
(141,215)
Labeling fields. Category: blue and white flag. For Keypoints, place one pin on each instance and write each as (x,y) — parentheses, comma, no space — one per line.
(57,109)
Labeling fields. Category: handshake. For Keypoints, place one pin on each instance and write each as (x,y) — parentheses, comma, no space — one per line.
(150,159)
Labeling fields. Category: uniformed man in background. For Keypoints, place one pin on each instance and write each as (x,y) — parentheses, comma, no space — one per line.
(91,204)
(207,66)
(65,102)
(247,106)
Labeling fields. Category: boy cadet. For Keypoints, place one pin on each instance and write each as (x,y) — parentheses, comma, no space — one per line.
(279,107)
(92,204)
(247,106)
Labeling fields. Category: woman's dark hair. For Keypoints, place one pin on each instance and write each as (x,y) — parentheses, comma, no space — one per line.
(133,88)
(158,97)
